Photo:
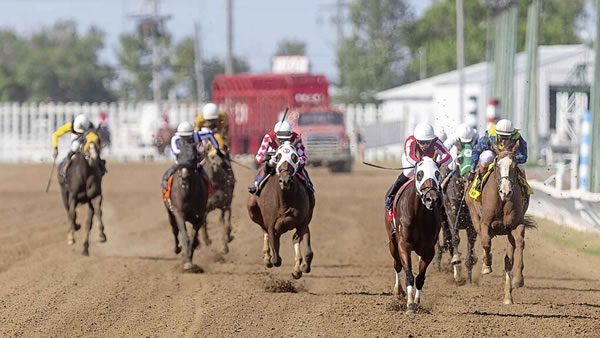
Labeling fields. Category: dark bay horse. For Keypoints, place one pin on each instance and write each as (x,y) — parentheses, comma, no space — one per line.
(223,183)
(501,211)
(415,226)
(187,203)
(82,184)
(283,205)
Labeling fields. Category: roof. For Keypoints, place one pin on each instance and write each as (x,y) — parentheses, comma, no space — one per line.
(477,73)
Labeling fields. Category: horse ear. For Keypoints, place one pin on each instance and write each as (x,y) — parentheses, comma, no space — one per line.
(516,146)
(495,148)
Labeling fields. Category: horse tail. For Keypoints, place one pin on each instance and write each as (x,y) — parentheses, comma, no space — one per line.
(529,222)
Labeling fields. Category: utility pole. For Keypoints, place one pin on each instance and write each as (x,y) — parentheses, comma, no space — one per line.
(229,62)
(460,58)
(198,67)
(595,109)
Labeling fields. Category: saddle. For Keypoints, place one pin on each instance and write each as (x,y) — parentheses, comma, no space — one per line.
(392,214)
(475,193)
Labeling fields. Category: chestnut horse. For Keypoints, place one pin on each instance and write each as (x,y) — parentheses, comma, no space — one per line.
(283,205)
(501,211)
(415,226)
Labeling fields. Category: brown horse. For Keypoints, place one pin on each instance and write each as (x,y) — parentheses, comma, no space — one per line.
(500,211)
(223,182)
(162,139)
(187,203)
(83,184)
(415,226)
(458,218)
(284,205)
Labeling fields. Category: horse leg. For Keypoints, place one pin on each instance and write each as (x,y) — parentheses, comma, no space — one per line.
(266,251)
(307,253)
(226,232)
(199,223)
(456,261)
(471,260)
(204,234)
(228,226)
(420,280)
(519,235)
(187,243)
(398,291)
(508,267)
(72,217)
(97,202)
(486,243)
(410,278)
(274,244)
(175,230)
(439,252)
(297,272)
(88,228)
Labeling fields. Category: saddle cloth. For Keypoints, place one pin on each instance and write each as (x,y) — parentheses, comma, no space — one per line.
(475,193)
(392,213)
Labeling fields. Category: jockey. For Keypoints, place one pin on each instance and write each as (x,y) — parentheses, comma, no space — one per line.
(78,129)
(465,135)
(271,141)
(423,142)
(503,135)
(186,145)
(214,120)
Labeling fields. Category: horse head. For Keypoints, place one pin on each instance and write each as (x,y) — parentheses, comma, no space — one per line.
(287,163)
(186,177)
(505,170)
(214,160)
(427,181)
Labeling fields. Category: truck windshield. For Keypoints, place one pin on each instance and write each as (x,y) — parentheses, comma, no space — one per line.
(320,118)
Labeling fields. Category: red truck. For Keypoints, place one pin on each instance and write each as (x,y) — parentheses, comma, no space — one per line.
(255,102)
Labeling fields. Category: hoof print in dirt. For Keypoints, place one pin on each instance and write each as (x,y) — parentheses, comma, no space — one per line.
(193,269)
(280,286)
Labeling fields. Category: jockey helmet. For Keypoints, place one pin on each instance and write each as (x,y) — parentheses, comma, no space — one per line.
(185,129)
(424,132)
(210,111)
(465,133)
(505,127)
(441,134)
(283,130)
(81,123)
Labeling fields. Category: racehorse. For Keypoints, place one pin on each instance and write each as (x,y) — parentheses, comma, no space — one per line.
(82,183)
(458,217)
(223,184)
(186,202)
(283,205)
(414,225)
(501,211)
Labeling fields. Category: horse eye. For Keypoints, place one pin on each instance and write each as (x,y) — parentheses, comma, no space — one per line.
(278,157)
(294,158)
(420,175)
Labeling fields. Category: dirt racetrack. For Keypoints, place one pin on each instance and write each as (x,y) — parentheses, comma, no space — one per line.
(133,285)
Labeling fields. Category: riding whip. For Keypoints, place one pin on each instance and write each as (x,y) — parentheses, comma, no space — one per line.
(386,168)
(51,173)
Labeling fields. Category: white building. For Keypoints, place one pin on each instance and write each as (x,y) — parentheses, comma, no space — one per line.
(436,99)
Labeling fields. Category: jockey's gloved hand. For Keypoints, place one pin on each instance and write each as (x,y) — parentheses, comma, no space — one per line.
(54,153)
(220,153)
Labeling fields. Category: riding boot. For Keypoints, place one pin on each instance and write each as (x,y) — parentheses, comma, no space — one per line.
(391,193)
(262,173)
(166,176)
(66,164)
(103,170)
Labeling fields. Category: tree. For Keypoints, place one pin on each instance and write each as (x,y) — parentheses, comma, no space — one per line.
(56,63)
(435,31)
(290,47)
(374,57)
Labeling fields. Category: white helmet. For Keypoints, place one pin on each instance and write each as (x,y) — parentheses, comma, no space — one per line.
(465,133)
(185,129)
(424,132)
(441,134)
(81,124)
(210,111)
(505,127)
(283,130)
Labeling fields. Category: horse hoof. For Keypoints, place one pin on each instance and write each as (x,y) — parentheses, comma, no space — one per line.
(518,283)
(225,250)
(187,266)
(486,270)
(305,268)
(85,253)
(230,239)
(102,238)
(177,250)
(508,302)
(77,226)
(297,274)
(455,259)
(268,264)
(276,261)
(410,309)
(70,242)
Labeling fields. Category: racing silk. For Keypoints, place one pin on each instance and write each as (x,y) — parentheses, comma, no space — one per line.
(199,137)
(270,143)
(62,130)
(221,125)
(412,152)
(485,143)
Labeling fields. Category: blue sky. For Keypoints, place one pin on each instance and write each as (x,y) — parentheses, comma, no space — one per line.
(259,24)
